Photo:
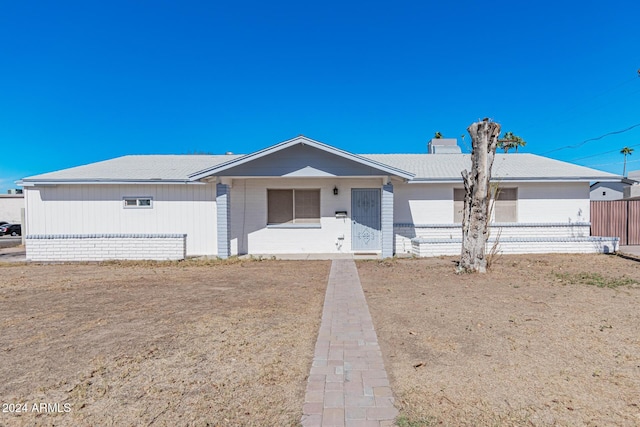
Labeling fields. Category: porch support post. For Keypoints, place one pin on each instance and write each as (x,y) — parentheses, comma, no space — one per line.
(387,220)
(223,205)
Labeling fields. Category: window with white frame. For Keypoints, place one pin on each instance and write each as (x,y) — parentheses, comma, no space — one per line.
(137,202)
(294,206)
(458,204)
(504,205)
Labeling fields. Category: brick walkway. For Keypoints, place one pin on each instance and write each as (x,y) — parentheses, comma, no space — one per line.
(348,384)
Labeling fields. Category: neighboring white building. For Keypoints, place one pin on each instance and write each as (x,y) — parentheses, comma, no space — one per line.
(600,191)
(625,188)
(300,196)
(632,189)
(11,206)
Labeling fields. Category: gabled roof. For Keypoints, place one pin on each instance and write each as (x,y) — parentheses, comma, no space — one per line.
(133,169)
(190,169)
(506,167)
(383,168)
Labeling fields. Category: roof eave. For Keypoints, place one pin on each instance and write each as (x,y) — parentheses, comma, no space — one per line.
(52,182)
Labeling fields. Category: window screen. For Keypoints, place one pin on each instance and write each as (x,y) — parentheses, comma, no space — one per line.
(307,206)
(280,206)
(293,206)
(504,209)
(458,204)
(137,202)
(506,204)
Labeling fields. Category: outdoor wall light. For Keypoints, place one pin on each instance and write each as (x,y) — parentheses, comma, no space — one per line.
(335,191)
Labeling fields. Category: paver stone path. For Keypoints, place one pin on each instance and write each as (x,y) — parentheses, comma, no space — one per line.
(348,385)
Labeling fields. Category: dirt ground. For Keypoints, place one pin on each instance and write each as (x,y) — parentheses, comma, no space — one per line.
(545,340)
(540,340)
(218,344)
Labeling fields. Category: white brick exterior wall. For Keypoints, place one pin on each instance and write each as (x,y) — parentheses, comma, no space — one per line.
(249,230)
(551,202)
(98,209)
(105,247)
(405,232)
(429,248)
(419,210)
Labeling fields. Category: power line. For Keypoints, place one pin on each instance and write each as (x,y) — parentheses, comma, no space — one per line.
(615,132)
(614,163)
(600,154)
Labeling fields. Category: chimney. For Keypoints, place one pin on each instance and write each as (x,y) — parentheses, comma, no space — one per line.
(444,146)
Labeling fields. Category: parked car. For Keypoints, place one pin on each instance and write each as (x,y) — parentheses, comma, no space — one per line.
(3,222)
(12,229)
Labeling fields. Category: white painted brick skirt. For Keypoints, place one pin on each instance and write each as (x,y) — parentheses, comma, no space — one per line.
(103,247)
(422,247)
(404,233)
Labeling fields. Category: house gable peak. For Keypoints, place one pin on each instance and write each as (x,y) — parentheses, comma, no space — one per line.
(326,151)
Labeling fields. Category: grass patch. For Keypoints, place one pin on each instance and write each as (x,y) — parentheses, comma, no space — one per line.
(188,262)
(595,279)
(405,421)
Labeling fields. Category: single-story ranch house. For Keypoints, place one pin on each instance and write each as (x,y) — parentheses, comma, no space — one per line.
(302,196)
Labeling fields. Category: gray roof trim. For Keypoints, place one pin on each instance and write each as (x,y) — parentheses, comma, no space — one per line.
(389,170)
(623,181)
(44,182)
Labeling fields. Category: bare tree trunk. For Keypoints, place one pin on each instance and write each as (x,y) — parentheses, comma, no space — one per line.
(475,219)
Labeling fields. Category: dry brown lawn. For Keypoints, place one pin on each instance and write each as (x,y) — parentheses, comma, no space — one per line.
(540,340)
(545,340)
(168,344)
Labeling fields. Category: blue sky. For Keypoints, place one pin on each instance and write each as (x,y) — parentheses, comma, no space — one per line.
(87,81)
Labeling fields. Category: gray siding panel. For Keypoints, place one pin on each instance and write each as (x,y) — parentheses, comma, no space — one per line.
(301,161)
(387,221)
(224,219)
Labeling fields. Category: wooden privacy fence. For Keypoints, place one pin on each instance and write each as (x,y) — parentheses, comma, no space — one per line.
(617,218)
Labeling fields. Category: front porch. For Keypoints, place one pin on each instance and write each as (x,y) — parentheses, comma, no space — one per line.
(287,216)
(302,196)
